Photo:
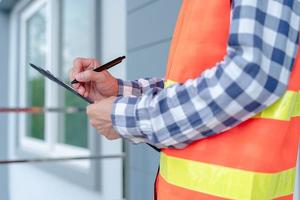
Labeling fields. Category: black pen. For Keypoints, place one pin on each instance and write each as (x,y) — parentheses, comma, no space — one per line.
(105,66)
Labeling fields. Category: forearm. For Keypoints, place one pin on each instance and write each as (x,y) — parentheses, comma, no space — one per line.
(138,87)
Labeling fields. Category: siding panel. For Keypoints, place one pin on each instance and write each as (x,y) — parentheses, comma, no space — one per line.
(148,62)
(150,26)
(135,4)
(152,23)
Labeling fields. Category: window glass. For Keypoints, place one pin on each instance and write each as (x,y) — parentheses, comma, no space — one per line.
(77,28)
(35,53)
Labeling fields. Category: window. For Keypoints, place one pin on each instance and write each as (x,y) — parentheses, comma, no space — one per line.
(36,53)
(76,34)
(49,37)
(50,34)
(33,48)
(66,133)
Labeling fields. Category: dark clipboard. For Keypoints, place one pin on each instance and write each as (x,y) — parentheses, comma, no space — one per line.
(50,76)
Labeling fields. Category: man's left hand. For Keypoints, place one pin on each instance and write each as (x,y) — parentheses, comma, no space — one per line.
(100,117)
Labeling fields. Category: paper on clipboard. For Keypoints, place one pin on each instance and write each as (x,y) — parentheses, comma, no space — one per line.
(50,76)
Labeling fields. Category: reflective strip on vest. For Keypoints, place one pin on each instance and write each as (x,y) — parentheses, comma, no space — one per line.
(283,109)
(286,107)
(168,83)
(226,182)
(297,106)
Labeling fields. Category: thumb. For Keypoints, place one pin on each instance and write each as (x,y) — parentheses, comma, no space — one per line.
(89,75)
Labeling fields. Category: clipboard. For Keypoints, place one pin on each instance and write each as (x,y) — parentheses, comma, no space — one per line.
(50,76)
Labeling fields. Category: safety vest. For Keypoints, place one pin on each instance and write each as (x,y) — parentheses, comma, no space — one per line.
(256,159)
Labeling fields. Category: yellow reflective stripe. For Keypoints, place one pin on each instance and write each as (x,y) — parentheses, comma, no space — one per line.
(168,83)
(297,106)
(283,109)
(226,182)
(286,107)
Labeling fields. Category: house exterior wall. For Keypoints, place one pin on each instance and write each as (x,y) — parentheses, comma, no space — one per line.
(150,25)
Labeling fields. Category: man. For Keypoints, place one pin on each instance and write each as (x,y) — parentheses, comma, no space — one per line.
(233,69)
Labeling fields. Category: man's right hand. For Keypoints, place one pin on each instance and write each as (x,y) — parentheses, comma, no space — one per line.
(94,85)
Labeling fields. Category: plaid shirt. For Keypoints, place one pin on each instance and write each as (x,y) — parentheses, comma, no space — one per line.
(262,46)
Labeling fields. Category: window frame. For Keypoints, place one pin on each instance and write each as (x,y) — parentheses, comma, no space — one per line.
(24,17)
(97,172)
(49,146)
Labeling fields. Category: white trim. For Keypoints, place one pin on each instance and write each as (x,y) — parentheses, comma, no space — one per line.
(113,43)
(38,148)
(32,9)
(33,145)
(69,150)
(24,17)
(51,90)
(14,73)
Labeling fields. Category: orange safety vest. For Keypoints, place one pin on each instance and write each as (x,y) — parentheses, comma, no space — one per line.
(254,160)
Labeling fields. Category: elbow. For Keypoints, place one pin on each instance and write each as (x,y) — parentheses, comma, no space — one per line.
(169,143)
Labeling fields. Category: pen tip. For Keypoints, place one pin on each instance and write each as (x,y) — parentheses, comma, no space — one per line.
(123,57)
(74,81)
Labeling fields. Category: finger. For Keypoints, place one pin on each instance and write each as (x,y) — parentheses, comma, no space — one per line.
(81,64)
(87,90)
(89,110)
(95,63)
(112,135)
(90,75)
(81,90)
(76,86)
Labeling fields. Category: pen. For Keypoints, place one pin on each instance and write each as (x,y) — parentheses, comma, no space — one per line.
(105,66)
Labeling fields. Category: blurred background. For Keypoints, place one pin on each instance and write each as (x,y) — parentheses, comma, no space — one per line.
(51,33)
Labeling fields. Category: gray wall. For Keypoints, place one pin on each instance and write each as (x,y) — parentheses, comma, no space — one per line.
(150,25)
(4,38)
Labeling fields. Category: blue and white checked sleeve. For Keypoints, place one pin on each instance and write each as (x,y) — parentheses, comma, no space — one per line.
(262,45)
(138,87)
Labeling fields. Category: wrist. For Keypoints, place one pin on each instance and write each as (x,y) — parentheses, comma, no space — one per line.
(115,87)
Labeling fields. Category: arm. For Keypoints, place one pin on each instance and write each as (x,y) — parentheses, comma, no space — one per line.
(138,87)
(252,76)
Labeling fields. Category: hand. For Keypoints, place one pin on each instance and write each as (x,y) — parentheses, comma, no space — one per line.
(100,117)
(94,85)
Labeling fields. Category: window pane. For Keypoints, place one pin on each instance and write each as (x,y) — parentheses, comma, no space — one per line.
(77,41)
(36,53)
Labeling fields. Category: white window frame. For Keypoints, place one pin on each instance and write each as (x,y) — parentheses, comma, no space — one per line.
(95,174)
(49,146)
(24,140)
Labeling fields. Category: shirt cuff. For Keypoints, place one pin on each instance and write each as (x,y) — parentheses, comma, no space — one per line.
(124,119)
(128,88)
